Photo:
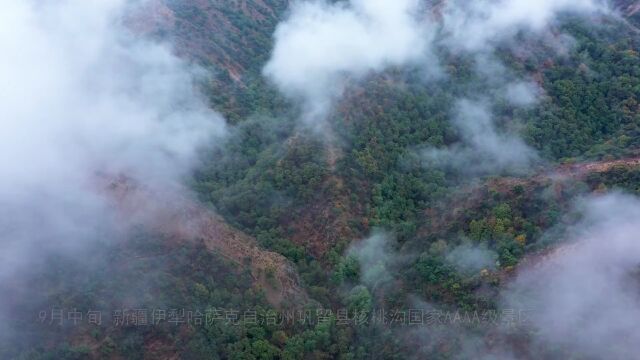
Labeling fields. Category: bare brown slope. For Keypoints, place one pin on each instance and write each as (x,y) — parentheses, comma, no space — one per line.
(182,219)
(322,224)
(230,35)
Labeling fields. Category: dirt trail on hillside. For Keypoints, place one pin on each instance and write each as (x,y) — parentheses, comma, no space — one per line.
(182,219)
(472,196)
(577,171)
(582,169)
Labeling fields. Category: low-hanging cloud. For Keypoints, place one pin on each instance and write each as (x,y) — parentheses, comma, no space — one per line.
(480,25)
(375,256)
(483,148)
(81,96)
(521,93)
(477,28)
(582,299)
(468,258)
(585,296)
(320,43)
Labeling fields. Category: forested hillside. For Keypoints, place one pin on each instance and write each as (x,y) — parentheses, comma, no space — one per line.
(401,232)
